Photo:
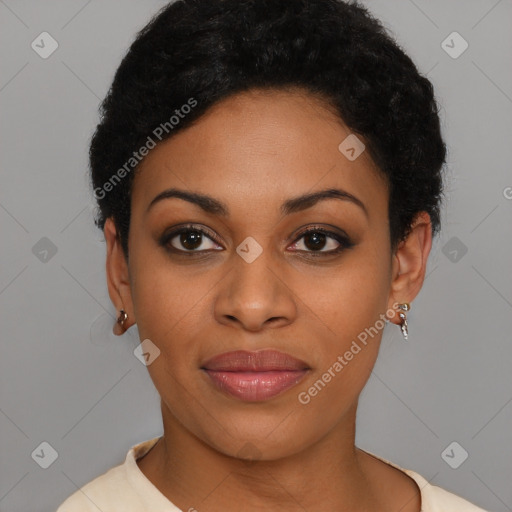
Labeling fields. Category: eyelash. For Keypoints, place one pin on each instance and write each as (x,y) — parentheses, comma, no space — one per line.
(344,241)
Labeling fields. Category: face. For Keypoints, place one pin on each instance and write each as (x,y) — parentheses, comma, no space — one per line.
(242,273)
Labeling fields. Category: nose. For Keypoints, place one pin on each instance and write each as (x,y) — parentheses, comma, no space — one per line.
(255,295)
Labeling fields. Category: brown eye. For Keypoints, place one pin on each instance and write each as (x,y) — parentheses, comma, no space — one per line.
(315,241)
(190,240)
(187,239)
(322,242)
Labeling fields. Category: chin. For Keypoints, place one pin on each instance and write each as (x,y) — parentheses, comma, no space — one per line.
(259,435)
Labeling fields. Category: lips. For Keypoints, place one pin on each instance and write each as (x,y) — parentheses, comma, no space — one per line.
(254,376)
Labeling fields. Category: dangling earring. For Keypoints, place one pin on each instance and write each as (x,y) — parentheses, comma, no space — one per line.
(403,318)
(122,317)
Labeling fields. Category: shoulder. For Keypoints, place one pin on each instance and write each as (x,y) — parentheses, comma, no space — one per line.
(434,498)
(437,499)
(122,487)
(106,492)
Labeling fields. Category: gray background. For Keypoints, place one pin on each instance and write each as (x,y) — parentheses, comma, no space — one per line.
(67,381)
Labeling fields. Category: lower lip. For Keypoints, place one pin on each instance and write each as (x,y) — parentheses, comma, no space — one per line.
(255,386)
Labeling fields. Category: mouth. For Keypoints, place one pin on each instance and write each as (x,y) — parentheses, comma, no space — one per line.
(254,376)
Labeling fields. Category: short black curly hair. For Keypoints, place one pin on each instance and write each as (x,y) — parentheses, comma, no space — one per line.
(194,53)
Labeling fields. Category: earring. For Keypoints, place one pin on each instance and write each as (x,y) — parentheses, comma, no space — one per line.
(122,317)
(403,318)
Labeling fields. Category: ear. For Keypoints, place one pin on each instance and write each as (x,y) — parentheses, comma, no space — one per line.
(410,263)
(118,276)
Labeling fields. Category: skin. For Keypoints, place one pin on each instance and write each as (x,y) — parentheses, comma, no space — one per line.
(253,151)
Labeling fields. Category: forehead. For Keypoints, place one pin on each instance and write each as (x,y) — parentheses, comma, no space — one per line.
(260,146)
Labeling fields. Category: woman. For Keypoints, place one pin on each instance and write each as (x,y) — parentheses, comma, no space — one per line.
(269,177)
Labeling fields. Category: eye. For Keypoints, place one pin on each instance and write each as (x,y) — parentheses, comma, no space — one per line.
(315,241)
(189,239)
(322,241)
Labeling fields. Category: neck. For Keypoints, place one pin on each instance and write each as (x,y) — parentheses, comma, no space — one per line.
(328,475)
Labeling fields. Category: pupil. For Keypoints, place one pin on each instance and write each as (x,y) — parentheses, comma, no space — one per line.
(318,240)
(191,239)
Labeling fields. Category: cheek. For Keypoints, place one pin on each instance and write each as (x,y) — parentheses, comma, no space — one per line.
(346,320)
(171,311)
(165,296)
(347,300)
(165,310)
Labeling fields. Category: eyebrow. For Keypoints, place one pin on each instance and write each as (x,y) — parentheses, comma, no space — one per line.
(293,205)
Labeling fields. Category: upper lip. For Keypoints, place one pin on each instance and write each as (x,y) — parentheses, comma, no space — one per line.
(259,361)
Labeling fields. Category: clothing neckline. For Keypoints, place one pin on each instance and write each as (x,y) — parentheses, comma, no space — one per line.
(145,487)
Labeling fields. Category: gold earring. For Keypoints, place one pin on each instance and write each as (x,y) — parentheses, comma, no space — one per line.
(122,317)
(403,319)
